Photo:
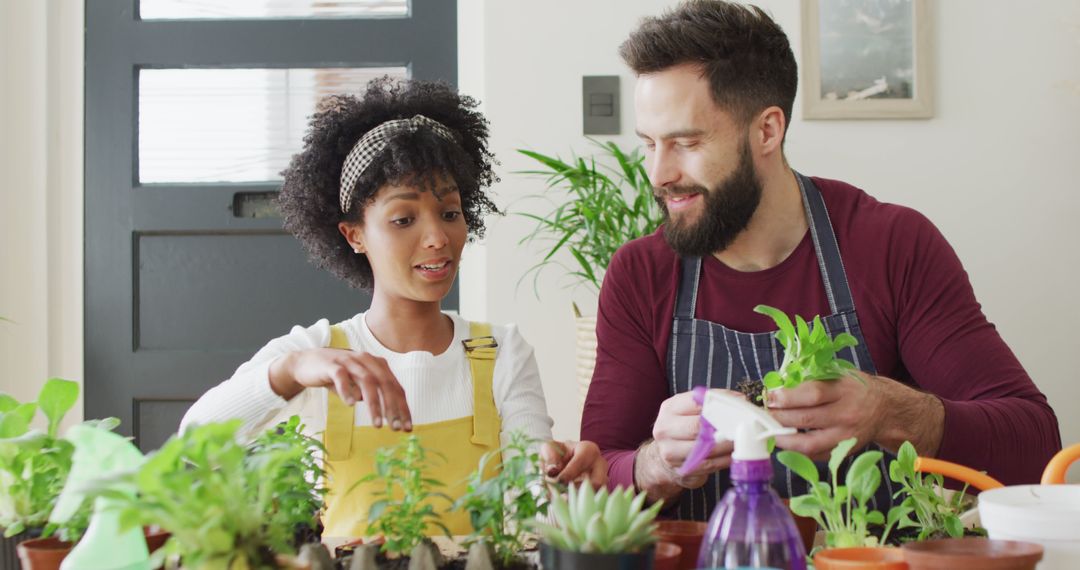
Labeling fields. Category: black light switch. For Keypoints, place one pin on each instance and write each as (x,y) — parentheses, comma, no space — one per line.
(600,104)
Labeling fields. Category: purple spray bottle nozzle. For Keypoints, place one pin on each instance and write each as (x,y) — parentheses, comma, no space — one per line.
(725,415)
(706,437)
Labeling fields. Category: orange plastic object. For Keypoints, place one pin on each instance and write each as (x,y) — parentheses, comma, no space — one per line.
(1059,465)
(860,559)
(977,479)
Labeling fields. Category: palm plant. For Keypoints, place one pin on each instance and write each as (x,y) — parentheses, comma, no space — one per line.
(604,206)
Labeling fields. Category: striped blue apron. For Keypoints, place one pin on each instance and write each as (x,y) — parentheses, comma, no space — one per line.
(709,354)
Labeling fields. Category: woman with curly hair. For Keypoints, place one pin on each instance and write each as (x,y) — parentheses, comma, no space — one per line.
(385,193)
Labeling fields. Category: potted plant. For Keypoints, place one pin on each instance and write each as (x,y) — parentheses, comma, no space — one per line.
(688,535)
(34,466)
(842,508)
(501,507)
(949,553)
(99,455)
(860,558)
(599,531)
(930,513)
(597,204)
(406,506)
(228,504)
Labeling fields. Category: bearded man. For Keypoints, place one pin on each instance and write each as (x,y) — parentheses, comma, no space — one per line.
(715,86)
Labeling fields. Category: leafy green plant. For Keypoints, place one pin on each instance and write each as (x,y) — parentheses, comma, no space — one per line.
(227,504)
(297,502)
(405,506)
(596,522)
(842,510)
(935,516)
(603,208)
(502,507)
(809,353)
(34,465)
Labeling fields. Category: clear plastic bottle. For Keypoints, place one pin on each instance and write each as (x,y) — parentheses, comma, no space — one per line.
(751,526)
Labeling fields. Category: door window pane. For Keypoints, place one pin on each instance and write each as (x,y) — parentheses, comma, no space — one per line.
(267,9)
(232,125)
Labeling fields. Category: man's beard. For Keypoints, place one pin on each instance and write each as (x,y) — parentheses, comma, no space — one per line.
(727,211)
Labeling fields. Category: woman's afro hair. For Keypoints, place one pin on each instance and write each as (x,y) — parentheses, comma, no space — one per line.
(309,198)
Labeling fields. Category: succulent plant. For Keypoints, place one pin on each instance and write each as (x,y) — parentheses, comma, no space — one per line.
(600,523)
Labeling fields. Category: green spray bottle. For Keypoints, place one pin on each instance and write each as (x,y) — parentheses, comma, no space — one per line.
(101,454)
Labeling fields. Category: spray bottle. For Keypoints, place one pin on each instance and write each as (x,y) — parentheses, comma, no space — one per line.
(101,454)
(751,527)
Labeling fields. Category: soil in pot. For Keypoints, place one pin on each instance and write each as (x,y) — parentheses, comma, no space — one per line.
(687,535)
(43,553)
(900,537)
(860,559)
(526,560)
(981,553)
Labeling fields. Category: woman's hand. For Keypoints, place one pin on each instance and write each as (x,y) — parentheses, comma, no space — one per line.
(574,461)
(355,376)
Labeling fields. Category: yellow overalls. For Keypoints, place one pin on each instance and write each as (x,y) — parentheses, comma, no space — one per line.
(350,449)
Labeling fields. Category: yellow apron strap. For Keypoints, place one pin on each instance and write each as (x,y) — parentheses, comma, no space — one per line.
(480,350)
(340,417)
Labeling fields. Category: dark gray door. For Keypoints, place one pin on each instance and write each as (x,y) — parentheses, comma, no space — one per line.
(187,269)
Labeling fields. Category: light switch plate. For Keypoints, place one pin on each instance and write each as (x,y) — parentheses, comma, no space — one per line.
(600,104)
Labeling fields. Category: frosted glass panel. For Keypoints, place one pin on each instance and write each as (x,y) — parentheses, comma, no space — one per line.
(267,9)
(232,125)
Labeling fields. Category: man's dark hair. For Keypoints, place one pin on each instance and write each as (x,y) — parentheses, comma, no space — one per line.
(309,198)
(744,54)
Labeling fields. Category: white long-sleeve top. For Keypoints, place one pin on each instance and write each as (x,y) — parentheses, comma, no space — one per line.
(437,387)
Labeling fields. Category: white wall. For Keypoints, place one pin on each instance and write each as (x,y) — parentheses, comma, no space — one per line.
(41,84)
(996,169)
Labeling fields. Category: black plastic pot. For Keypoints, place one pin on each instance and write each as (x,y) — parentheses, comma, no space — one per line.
(552,558)
(9,556)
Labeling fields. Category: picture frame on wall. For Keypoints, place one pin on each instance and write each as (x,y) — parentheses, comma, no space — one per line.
(867,59)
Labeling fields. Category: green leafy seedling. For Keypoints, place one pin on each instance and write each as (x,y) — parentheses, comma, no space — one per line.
(405,507)
(296,503)
(34,465)
(927,507)
(227,504)
(502,507)
(809,353)
(842,510)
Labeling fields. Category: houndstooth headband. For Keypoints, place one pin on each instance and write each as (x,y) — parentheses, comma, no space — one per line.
(372,143)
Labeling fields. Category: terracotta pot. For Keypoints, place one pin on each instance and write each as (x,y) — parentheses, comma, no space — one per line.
(43,553)
(887,558)
(155,538)
(667,556)
(807,528)
(687,535)
(982,553)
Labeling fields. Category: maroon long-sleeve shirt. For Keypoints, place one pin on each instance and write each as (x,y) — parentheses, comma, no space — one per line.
(917,310)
